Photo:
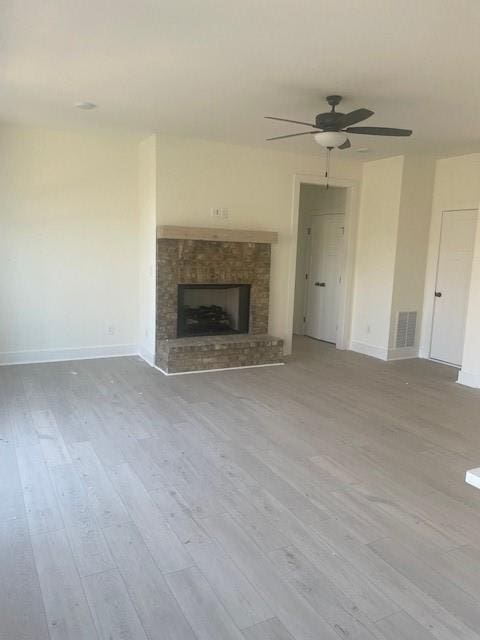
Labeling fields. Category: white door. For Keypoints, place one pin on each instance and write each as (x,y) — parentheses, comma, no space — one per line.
(324,276)
(452,286)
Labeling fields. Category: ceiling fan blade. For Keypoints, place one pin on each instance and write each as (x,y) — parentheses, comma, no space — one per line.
(308,124)
(345,145)
(379,131)
(354,116)
(292,135)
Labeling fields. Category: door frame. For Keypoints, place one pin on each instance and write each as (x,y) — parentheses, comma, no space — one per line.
(428,355)
(308,258)
(347,260)
(431,276)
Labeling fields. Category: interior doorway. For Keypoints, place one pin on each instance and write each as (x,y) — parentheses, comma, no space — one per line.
(320,261)
(452,287)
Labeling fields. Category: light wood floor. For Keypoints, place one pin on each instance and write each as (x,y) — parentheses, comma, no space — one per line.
(320,500)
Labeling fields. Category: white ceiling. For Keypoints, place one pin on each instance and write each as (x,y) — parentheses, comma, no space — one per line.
(214,68)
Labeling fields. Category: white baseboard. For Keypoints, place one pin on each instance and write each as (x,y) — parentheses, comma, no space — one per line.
(405,353)
(469,379)
(91,353)
(59,355)
(369,350)
(248,366)
(384,354)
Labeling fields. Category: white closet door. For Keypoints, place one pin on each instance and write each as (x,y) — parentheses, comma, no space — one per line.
(323,277)
(452,286)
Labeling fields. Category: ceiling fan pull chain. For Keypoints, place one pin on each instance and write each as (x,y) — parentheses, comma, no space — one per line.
(327,165)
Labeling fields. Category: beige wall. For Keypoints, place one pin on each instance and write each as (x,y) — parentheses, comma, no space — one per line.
(375,255)
(256,186)
(470,372)
(147,220)
(412,243)
(316,198)
(391,252)
(68,244)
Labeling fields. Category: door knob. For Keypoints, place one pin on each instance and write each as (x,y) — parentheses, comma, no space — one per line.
(320,284)
(438,294)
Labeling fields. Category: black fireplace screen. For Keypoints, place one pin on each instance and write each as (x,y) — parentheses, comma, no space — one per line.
(212,309)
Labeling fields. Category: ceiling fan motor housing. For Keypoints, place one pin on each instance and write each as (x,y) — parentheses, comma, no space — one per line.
(328,121)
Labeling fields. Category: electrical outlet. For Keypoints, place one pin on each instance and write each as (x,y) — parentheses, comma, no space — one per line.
(111,329)
(224,212)
(216,212)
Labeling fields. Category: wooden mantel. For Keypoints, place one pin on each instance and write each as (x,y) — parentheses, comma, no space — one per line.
(216,234)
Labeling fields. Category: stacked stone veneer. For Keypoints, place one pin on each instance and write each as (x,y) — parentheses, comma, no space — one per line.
(202,262)
(212,262)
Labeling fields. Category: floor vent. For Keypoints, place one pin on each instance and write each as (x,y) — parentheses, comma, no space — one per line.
(406,329)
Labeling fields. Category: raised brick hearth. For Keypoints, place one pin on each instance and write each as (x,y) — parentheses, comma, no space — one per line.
(218,352)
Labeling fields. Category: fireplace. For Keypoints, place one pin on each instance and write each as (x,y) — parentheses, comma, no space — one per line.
(213,300)
(212,309)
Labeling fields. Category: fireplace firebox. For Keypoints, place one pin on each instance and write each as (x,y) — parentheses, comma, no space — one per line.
(212,309)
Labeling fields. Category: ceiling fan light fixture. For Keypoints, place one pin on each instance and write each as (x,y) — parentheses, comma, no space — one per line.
(330,138)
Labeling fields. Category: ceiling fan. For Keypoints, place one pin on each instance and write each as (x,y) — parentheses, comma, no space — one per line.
(331,128)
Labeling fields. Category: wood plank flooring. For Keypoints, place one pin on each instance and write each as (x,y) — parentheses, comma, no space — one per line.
(323,499)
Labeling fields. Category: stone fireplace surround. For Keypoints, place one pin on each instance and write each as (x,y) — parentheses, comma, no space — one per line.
(190,260)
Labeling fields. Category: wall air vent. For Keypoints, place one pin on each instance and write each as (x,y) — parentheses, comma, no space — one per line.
(406,329)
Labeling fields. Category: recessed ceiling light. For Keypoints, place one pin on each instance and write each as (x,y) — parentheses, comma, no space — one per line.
(86,106)
(363,150)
